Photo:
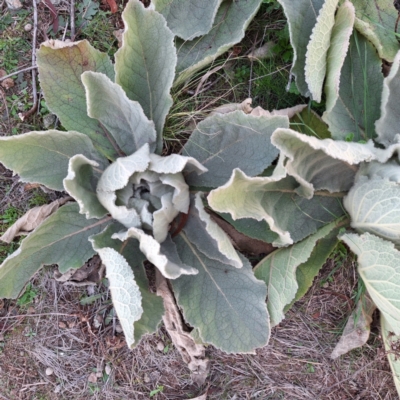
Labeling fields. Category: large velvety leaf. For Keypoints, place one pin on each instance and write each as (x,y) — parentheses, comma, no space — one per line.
(42,157)
(60,68)
(152,304)
(145,64)
(391,342)
(340,42)
(302,17)
(357,329)
(165,256)
(358,104)
(125,292)
(61,239)
(81,183)
(374,206)
(388,126)
(228,29)
(321,164)
(208,236)
(278,271)
(379,268)
(317,49)
(306,272)
(376,20)
(290,216)
(223,142)
(123,118)
(226,304)
(188,19)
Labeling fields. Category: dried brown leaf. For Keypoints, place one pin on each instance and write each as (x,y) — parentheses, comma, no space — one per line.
(7,83)
(244,106)
(192,354)
(32,219)
(202,397)
(356,332)
(90,273)
(289,112)
(265,51)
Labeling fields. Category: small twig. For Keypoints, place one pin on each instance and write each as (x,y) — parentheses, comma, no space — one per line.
(72,22)
(27,114)
(18,72)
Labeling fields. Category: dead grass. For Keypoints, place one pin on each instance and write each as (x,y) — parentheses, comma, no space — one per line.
(57,332)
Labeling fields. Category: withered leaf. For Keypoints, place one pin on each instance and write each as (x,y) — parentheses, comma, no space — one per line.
(356,331)
(32,219)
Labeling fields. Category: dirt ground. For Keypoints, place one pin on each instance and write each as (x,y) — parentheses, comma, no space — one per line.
(64,343)
(89,359)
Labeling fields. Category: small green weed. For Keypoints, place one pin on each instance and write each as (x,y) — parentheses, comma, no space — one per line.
(10,215)
(159,389)
(38,199)
(100,32)
(28,296)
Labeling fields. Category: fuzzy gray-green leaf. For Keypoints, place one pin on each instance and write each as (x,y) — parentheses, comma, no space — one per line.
(339,46)
(153,308)
(223,142)
(81,183)
(358,104)
(61,239)
(278,271)
(302,16)
(60,68)
(379,268)
(388,126)
(226,304)
(317,49)
(376,21)
(228,29)
(188,19)
(43,156)
(290,216)
(209,238)
(145,64)
(123,118)
(374,206)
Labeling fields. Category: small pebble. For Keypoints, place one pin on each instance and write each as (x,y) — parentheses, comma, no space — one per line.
(146,378)
(21,353)
(28,27)
(99,374)
(160,346)
(325,285)
(118,328)
(31,310)
(107,369)
(49,371)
